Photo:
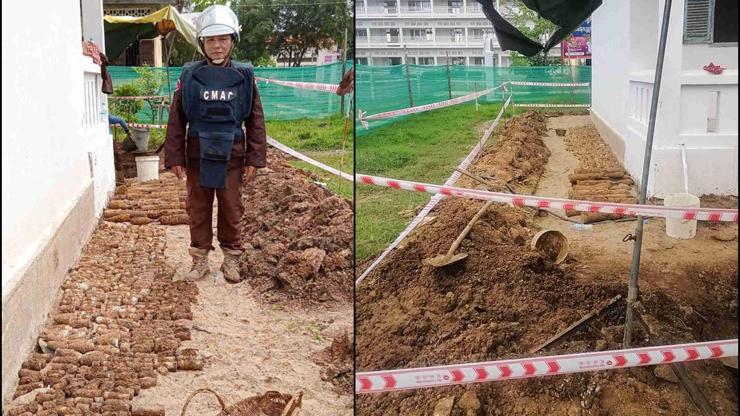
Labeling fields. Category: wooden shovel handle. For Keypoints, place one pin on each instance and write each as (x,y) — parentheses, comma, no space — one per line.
(456,244)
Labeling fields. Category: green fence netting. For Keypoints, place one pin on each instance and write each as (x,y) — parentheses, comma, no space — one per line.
(279,102)
(385,88)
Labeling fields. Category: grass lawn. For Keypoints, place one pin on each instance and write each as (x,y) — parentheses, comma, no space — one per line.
(319,139)
(425,147)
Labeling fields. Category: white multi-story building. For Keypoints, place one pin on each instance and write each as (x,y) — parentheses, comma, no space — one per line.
(426,32)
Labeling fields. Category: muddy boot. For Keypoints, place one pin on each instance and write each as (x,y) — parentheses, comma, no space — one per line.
(200,263)
(230,266)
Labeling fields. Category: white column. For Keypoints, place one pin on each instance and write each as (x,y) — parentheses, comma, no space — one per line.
(365,3)
(435,60)
(466,37)
(465,6)
(434,40)
(92,22)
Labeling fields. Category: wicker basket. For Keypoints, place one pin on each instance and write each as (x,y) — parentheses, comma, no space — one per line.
(272,403)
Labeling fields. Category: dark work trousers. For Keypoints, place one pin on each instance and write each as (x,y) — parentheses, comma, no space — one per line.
(200,208)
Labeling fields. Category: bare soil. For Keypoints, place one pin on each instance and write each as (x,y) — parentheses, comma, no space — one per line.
(506,299)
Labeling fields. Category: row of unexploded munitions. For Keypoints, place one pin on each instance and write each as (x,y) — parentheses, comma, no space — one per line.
(120,322)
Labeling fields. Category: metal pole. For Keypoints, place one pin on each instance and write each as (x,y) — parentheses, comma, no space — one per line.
(449,82)
(408,78)
(344,63)
(633,290)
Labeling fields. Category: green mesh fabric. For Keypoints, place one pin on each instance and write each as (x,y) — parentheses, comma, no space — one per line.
(279,102)
(385,88)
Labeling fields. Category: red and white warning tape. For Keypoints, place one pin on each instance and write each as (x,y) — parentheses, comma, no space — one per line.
(142,97)
(149,126)
(362,118)
(276,144)
(413,378)
(552,105)
(436,198)
(550,84)
(302,85)
(700,214)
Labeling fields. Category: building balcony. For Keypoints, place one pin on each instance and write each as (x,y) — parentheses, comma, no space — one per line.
(471,10)
(392,41)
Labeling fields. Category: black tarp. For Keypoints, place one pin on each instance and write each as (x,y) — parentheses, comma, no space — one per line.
(566,14)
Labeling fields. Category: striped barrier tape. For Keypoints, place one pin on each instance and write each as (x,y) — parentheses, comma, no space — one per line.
(363,119)
(436,198)
(700,214)
(302,85)
(142,97)
(447,375)
(550,84)
(552,105)
(148,126)
(276,144)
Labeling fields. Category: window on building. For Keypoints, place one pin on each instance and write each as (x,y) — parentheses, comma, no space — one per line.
(361,61)
(420,5)
(476,60)
(457,35)
(425,61)
(458,60)
(395,61)
(710,21)
(361,33)
(390,6)
(454,6)
(391,35)
(417,33)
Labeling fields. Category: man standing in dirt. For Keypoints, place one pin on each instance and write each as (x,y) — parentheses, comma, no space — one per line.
(216,140)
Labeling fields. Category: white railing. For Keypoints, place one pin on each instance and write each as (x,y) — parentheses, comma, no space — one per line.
(380,10)
(92,115)
(639,101)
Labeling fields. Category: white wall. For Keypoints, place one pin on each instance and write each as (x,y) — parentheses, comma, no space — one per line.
(53,148)
(625,39)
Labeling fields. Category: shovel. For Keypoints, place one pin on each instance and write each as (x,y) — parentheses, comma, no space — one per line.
(452,258)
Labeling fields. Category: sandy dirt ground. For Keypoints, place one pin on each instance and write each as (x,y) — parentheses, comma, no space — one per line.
(249,347)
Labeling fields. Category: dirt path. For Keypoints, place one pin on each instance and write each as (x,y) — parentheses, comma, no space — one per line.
(249,347)
(667,262)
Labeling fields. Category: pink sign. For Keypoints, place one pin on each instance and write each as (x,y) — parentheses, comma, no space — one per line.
(576,48)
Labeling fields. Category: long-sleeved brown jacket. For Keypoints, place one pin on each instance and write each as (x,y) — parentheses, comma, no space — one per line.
(177,150)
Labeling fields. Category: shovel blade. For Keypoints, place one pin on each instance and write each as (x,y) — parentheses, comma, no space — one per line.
(444,260)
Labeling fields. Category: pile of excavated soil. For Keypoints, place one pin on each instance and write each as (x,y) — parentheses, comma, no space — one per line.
(503,301)
(337,363)
(119,324)
(162,201)
(299,237)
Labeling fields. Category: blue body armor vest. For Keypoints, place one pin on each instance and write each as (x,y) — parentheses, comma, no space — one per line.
(216,100)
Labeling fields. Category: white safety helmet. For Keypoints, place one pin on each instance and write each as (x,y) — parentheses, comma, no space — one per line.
(217,20)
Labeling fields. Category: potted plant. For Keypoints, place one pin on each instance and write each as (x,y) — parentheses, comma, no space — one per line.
(150,83)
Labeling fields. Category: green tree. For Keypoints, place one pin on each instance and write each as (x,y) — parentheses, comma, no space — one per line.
(534,27)
(150,83)
(300,28)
